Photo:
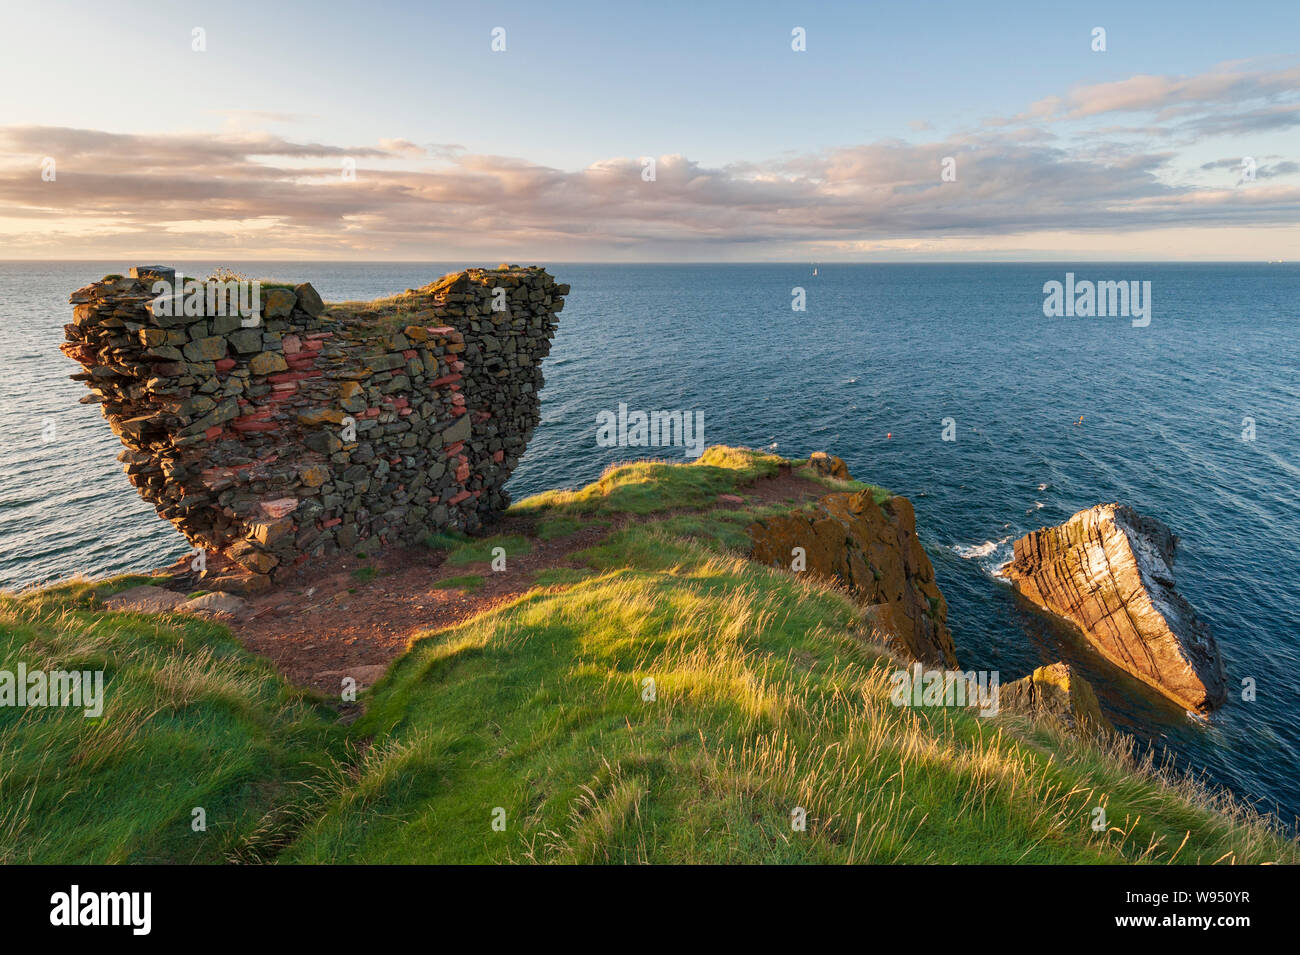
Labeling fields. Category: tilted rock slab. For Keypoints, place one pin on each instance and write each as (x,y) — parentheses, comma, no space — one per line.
(872,551)
(1108,571)
(322,426)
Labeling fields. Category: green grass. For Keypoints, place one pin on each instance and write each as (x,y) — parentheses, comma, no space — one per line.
(724,528)
(559,576)
(767,698)
(474,550)
(559,526)
(189,720)
(365,574)
(646,487)
(879,494)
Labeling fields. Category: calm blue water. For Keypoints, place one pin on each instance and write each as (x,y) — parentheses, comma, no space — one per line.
(891,349)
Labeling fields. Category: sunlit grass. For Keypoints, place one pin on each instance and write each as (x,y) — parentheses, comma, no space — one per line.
(657,699)
(765,700)
(644,487)
(189,721)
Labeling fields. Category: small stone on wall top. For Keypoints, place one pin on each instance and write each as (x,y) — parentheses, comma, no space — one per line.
(153,273)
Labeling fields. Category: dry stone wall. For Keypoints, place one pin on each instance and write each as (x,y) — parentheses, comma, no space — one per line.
(308,429)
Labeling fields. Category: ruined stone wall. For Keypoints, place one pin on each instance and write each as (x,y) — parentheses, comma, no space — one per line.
(319,427)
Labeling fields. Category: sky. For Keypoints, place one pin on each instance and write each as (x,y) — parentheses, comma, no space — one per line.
(900,132)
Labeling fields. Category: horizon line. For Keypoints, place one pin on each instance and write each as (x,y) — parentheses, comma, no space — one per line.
(158,260)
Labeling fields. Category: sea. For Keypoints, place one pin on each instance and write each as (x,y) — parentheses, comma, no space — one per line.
(947,383)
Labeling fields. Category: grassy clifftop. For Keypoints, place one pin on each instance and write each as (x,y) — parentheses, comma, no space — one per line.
(659,698)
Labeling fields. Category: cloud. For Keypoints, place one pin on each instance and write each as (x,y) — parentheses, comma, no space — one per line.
(275,195)
(401,147)
(1225,86)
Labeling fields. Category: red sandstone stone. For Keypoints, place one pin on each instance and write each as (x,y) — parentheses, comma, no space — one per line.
(280,507)
(253,427)
(290,376)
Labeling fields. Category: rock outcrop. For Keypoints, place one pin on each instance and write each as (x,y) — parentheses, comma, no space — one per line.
(146,598)
(304,429)
(1108,571)
(828,465)
(1056,692)
(872,551)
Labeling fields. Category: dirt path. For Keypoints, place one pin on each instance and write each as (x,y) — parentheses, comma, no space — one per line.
(327,620)
(341,615)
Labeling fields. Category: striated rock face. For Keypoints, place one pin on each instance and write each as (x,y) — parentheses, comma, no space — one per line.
(873,551)
(1108,571)
(1056,692)
(306,429)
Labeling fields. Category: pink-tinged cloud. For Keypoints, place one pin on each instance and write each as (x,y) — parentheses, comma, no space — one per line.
(1167,96)
(118,192)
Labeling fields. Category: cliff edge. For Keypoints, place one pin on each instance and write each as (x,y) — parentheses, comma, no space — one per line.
(870,548)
